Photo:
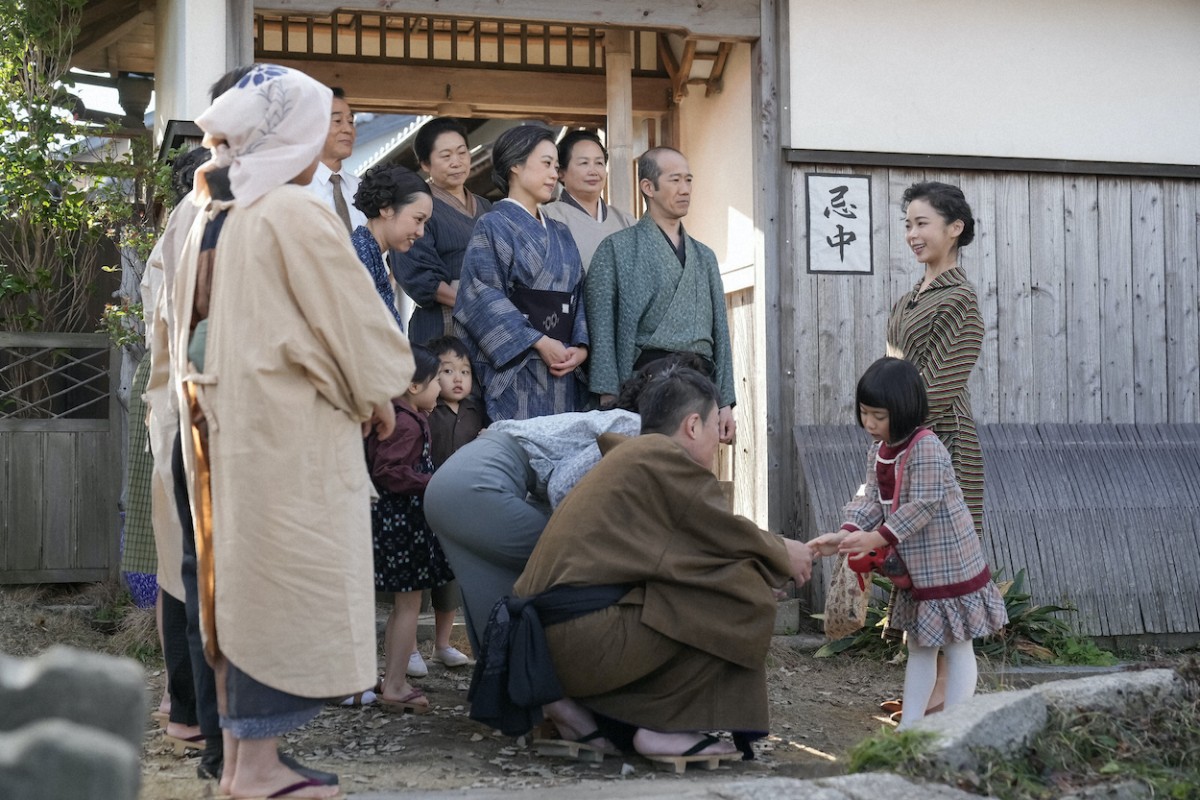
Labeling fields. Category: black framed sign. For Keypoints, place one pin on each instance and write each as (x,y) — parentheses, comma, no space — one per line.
(839,223)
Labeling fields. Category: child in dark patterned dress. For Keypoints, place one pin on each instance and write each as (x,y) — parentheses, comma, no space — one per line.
(408,557)
(912,502)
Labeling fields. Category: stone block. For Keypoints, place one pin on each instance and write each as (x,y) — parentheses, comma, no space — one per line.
(91,689)
(59,760)
(1003,723)
(787,617)
(863,786)
(1117,693)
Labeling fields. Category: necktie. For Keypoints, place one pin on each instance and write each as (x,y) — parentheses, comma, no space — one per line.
(339,200)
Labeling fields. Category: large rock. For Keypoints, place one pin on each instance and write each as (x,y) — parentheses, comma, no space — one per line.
(1118,693)
(59,760)
(72,725)
(89,688)
(1003,723)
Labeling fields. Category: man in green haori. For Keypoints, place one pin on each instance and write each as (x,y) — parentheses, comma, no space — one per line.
(653,291)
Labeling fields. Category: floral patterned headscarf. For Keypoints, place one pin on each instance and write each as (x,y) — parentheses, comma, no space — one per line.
(267,129)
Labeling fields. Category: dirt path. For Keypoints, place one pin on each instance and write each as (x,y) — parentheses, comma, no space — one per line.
(820,708)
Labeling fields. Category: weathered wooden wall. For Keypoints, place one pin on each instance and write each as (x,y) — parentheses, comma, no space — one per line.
(737,462)
(60,469)
(1089,288)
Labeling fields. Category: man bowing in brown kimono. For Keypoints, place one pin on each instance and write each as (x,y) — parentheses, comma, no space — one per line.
(683,649)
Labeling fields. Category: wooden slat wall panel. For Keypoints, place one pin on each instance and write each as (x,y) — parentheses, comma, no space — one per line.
(1081,216)
(1149,303)
(740,310)
(1014,321)
(23,506)
(1182,220)
(1115,324)
(1048,302)
(60,501)
(1088,289)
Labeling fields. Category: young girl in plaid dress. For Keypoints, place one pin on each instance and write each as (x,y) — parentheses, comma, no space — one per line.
(911,501)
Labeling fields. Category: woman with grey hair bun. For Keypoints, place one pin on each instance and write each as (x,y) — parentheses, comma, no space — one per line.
(520,305)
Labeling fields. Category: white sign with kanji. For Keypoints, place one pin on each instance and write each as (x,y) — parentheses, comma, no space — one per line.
(839,223)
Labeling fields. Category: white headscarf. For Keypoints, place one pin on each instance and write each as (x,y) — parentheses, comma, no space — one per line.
(267,129)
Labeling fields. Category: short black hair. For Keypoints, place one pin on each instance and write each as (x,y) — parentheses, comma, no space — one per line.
(897,385)
(950,203)
(428,135)
(448,344)
(183,171)
(573,138)
(631,389)
(671,396)
(513,148)
(388,186)
(338,92)
(426,363)
(225,82)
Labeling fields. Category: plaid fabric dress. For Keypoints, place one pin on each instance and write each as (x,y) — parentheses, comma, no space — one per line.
(953,598)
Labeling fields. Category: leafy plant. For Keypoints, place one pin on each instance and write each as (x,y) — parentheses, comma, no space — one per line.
(1034,632)
(1037,632)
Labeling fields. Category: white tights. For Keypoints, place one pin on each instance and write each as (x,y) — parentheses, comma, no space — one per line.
(921,674)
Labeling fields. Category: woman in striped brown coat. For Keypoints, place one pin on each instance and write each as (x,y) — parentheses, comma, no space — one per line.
(938,327)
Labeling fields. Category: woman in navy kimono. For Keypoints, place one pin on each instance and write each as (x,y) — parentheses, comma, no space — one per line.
(520,305)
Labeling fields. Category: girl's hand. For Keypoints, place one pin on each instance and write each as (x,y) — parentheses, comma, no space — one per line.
(860,541)
(826,544)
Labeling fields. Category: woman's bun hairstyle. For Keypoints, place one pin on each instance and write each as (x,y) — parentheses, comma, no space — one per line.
(949,201)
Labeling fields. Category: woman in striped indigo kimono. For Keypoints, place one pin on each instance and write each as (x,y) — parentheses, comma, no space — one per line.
(520,305)
(937,326)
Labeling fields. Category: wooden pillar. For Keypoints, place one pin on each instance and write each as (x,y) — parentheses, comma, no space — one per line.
(239,34)
(618,70)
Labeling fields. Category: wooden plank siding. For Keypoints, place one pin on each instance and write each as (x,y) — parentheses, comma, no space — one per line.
(1089,289)
(1088,511)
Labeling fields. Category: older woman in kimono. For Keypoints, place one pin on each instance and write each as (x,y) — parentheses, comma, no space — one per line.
(429,271)
(288,352)
(520,305)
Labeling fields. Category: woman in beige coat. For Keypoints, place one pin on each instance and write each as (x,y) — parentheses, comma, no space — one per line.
(289,353)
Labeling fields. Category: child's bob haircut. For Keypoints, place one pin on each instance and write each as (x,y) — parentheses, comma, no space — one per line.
(426,365)
(897,385)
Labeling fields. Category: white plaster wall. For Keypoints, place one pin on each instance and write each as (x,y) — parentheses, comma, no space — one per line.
(190,54)
(1102,80)
(715,134)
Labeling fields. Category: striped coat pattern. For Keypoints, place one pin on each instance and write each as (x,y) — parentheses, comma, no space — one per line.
(941,331)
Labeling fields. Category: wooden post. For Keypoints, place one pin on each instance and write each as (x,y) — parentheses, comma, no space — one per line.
(618,70)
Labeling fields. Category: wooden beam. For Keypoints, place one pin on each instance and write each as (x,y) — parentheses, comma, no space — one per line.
(490,93)
(736,20)
(774,270)
(715,82)
(618,68)
(683,76)
(106,22)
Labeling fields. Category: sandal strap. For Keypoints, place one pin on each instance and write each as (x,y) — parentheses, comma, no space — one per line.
(708,741)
